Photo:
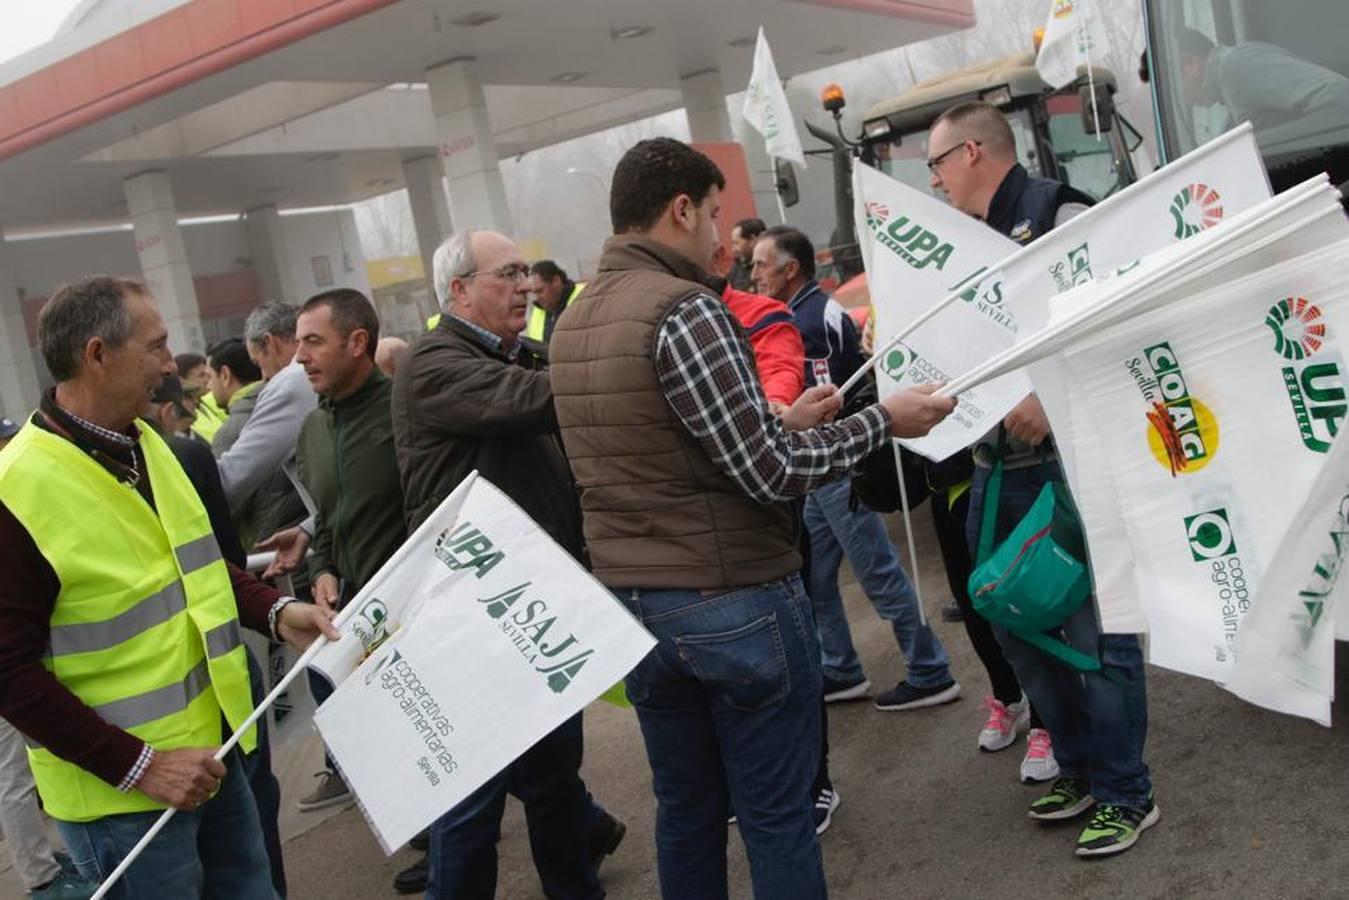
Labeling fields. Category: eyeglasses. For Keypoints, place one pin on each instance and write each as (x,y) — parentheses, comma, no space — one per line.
(937,160)
(511,272)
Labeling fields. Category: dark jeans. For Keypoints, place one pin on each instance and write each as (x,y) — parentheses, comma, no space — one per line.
(266,789)
(1098,721)
(213,853)
(729,702)
(547,781)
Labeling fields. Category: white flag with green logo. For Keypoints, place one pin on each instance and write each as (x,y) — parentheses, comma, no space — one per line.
(919,249)
(766,107)
(1286,644)
(1072,36)
(477,638)
(1200,425)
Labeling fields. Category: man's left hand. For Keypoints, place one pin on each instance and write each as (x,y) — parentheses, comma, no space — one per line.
(300,624)
(1027,421)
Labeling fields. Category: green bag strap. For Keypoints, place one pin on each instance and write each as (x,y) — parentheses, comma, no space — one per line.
(992,494)
(1064,653)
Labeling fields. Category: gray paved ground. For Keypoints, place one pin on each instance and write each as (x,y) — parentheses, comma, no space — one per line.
(1252,803)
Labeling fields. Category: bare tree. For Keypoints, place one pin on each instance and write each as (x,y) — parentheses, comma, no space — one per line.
(385,226)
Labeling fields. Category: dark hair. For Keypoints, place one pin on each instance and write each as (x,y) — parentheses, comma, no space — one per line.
(233,352)
(1190,42)
(548,270)
(350,310)
(795,244)
(750,228)
(651,175)
(93,307)
(186,362)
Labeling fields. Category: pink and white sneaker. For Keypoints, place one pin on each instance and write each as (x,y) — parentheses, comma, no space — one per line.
(1039,763)
(1005,722)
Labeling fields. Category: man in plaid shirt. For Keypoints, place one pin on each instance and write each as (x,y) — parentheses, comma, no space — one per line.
(683,470)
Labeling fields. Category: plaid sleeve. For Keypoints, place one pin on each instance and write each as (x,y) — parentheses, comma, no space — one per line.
(708,376)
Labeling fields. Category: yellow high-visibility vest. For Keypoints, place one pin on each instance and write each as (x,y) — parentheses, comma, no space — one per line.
(538,316)
(145,629)
(209,417)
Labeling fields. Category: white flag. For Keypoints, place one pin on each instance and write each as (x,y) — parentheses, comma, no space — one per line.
(1072,37)
(1198,429)
(477,638)
(1286,644)
(1012,302)
(766,107)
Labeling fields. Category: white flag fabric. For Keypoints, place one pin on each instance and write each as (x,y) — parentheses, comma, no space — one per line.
(1072,37)
(919,250)
(766,107)
(1011,303)
(1286,644)
(477,638)
(1206,420)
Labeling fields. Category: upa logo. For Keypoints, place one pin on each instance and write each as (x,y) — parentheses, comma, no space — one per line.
(1297,326)
(909,241)
(1183,432)
(1195,208)
(896,362)
(1210,535)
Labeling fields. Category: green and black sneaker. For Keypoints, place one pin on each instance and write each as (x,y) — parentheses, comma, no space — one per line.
(1067,797)
(1114,829)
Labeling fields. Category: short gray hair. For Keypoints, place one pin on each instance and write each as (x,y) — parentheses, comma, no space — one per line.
(276,317)
(453,259)
(93,307)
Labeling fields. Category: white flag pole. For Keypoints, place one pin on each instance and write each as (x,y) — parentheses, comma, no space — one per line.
(1241,131)
(908,530)
(220,754)
(1084,37)
(1032,348)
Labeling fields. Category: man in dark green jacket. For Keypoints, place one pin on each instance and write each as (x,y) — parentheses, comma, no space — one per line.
(345,459)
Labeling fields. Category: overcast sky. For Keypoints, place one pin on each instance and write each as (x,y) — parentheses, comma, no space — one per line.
(30,24)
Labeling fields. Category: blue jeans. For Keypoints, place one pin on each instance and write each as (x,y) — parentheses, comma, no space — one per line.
(729,706)
(834,530)
(212,852)
(1098,721)
(557,812)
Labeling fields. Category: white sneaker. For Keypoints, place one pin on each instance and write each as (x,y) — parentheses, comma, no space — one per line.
(1005,722)
(1039,763)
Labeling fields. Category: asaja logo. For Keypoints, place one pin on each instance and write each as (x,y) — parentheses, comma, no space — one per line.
(1194,208)
(896,362)
(1183,432)
(537,635)
(1210,535)
(909,241)
(1297,326)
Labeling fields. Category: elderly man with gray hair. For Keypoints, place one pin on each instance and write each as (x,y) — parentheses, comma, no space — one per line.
(471,394)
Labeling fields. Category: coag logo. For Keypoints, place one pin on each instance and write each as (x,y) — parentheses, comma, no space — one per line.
(1210,535)
(1183,432)
(371,624)
(896,362)
(1195,208)
(1297,326)
(909,241)
(1073,270)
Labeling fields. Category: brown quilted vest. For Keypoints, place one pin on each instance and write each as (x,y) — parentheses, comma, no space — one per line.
(657,512)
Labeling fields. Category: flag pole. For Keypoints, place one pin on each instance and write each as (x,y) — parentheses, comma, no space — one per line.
(908,530)
(1084,38)
(220,754)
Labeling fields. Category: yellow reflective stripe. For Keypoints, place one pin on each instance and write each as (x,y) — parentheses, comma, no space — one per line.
(197,554)
(91,637)
(132,712)
(223,638)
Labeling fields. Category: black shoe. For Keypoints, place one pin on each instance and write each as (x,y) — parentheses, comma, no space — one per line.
(835,690)
(906,696)
(605,836)
(952,613)
(826,801)
(412,880)
(422,841)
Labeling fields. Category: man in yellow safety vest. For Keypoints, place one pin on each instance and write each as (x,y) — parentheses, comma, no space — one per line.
(121,659)
(553,292)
